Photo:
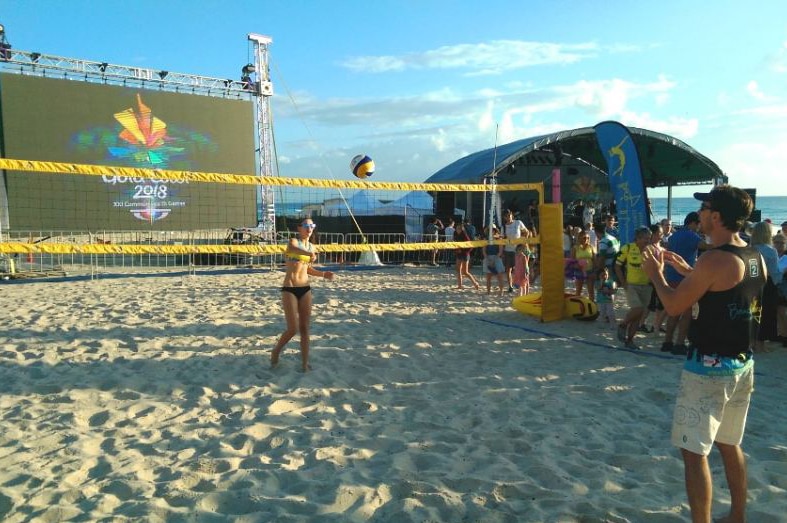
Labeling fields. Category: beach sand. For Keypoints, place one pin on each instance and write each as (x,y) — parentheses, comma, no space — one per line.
(134,398)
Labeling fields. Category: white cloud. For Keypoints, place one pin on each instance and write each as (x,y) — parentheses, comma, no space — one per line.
(724,99)
(769,111)
(443,125)
(440,140)
(754,91)
(683,128)
(662,99)
(755,164)
(778,62)
(492,57)
(609,98)
(604,99)
(507,131)
(487,120)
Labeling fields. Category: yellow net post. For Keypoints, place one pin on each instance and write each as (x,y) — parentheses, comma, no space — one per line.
(552,278)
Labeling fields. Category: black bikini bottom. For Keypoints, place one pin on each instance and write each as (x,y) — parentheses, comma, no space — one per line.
(298,292)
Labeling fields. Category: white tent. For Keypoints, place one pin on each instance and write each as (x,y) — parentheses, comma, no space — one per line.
(362,203)
(413,206)
(418,200)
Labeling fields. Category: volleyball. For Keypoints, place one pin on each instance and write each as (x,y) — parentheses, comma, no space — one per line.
(362,166)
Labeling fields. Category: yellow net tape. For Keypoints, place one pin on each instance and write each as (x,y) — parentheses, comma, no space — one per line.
(245,179)
(257,250)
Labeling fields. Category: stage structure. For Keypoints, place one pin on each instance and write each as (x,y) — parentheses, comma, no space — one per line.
(254,86)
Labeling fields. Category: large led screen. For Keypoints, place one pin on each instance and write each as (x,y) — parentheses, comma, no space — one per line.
(62,120)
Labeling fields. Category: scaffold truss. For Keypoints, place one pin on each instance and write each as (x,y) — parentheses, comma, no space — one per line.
(264,88)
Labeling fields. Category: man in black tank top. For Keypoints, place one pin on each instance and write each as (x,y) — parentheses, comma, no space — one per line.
(718,375)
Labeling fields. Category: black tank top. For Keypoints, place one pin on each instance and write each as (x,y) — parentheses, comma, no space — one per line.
(728,321)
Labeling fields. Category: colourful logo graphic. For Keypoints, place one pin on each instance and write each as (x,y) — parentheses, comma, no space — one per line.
(141,139)
(145,137)
(151,215)
(586,188)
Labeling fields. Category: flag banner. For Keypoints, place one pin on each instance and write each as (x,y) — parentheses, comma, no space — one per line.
(625,177)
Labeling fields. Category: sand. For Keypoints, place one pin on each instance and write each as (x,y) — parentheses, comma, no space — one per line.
(135,398)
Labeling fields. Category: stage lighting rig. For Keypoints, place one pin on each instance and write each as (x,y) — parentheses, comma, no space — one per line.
(5,45)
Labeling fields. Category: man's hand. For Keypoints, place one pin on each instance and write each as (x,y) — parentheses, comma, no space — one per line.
(653,261)
(677,262)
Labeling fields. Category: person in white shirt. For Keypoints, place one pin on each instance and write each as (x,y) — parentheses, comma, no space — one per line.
(513,230)
(449,230)
(589,213)
(592,235)
(449,237)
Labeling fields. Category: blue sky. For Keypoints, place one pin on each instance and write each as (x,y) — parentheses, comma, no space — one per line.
(417,85)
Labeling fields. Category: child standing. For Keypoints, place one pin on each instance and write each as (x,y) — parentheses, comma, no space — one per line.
(605,296)
(493,263)
(522,269)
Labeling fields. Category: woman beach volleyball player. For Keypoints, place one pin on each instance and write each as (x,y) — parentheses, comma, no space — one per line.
(296,296)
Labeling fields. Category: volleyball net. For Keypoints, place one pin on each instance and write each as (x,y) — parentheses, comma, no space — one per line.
(353,216)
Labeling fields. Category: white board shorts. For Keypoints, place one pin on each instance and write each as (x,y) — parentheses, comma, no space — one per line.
(711,408)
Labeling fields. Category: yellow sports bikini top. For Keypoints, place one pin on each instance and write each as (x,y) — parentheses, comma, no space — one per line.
(304,258)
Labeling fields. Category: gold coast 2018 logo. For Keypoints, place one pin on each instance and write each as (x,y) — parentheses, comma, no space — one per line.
(146,142)
(141,139)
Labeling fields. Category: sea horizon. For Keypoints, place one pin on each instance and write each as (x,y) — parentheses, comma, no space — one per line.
(773,208)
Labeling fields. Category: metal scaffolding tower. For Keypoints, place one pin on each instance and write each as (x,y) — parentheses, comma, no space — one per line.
(263,89)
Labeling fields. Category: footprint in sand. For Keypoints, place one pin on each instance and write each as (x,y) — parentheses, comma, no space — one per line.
(98,419)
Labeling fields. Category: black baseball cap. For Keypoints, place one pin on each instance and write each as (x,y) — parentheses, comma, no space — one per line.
(703,196)
(734,204)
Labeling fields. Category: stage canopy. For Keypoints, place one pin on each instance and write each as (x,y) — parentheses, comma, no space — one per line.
(665,160)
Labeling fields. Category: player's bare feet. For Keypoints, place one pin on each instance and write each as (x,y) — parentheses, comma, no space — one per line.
(275,359)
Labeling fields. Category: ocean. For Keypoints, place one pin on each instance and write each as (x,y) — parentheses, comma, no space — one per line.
(773,207)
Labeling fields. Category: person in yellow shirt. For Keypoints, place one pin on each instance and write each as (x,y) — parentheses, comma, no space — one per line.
(584,253)
(632,277)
